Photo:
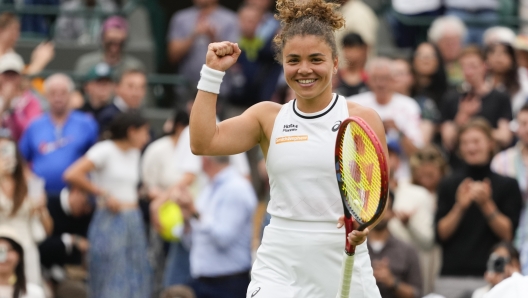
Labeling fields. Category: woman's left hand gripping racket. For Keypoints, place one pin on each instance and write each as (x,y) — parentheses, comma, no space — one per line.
(363,177)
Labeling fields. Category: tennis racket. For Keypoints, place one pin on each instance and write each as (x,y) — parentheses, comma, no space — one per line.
(363,179)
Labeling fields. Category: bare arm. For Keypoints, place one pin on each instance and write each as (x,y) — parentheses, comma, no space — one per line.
(449,223)
(502,134)
(499,223)
(77,175)
(177,49)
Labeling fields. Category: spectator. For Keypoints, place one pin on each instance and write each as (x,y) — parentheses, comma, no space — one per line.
(479,15)
(476,209)
(178,292)
(9,34)
(503,73)
(114,35)
(360,19)
(25,214)
(268,25)
(118,264)
(513,163)
(68,244)
(400,114)
(502,263)
(498,34)
(58,138)
(129,95)
(395,263)
(12,260)
(19,106)
(478,100)
(521,54)
(408,35)
(98,89)
(448,34)
(221,226)
(352,78)
(192,29)
(514,287)
(429,73)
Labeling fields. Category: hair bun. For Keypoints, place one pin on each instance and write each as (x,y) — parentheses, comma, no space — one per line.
(325,11)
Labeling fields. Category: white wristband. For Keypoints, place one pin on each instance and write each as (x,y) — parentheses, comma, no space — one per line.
(210,80)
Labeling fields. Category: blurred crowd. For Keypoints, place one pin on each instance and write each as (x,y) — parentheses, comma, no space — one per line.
(94,204)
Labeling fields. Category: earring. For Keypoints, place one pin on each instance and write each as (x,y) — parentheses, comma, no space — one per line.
(12,280)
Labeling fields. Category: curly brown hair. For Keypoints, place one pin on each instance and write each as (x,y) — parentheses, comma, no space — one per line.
(307,17)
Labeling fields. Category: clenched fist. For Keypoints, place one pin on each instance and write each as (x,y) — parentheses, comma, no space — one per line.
(222,55)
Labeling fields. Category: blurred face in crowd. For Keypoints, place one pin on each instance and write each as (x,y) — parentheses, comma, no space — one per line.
(425,61)
(510,266)
(261,4)
(308,65)
(450,46)
(114,40)
(522,130)
(204,3)
(428,175)
(474,68)
(139,137)
(498,59)
(381,81)
(10,77)
(249,19)
(475,147)
(99,91)
(9,258)
(79,204)
(355,56)
(403,79)
(58,94)
(10,34)
(132,89)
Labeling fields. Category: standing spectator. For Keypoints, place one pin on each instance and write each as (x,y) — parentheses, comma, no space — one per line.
(352,78)
(478,99)
(395,263)
(98,89)
(513,162)
(114,35)
(58,138)
(192,29)
(129,95)
(409,35)
(19,106)
(360,19)
(400,114)
(503,73)
(478,14)
(25,214)
(476,209)
(221,227)
(268,24)
(118,264)
(429,73)
(12,265)
(448,34)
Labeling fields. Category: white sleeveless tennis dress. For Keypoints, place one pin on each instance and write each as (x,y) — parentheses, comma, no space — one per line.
(302,250)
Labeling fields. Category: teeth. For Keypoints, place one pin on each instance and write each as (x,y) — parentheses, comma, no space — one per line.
(306,81)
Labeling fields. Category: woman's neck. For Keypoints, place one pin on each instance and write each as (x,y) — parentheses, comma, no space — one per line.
(5,279)
(423,81)
(316,104)
(497,79)
(123,144)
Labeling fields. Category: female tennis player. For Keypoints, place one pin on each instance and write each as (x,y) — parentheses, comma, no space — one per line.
(301,252)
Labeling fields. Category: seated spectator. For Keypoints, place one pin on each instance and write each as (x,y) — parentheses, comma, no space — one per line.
(408,35)
(67,246)
(503,262)
(19,106)
(479,99)
(12,260)
(400,114)
(498,34)
(513,162)
(476,210)
(448,34)
(129,95)
(58,138)
(395,263)
(430,80)
(503,73)
(190,32)
(478,14)
(220,233)
(99,88)
(117,257)
(352,78)
(360,19)
(25,214)
(114,35)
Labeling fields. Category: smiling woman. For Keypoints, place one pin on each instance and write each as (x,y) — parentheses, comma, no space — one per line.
(297,140)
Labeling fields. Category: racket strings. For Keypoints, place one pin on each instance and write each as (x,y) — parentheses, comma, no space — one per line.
(360,172)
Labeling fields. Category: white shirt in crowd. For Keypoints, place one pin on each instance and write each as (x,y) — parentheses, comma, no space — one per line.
(116,171)
(32,291)
(411,7)
(472,4)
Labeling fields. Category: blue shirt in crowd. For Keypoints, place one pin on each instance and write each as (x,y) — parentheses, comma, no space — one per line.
(221,238)
(51,149)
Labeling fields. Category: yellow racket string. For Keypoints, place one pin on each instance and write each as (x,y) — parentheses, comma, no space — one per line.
(360,172)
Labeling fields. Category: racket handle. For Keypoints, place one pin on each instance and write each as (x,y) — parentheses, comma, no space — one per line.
(346,277)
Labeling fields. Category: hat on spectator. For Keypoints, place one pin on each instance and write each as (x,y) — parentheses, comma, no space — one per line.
(99,71)
(11,62)
(521,43)
(115,22)
(8,233)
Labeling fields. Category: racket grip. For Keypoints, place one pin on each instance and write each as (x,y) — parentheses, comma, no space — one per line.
(346,277)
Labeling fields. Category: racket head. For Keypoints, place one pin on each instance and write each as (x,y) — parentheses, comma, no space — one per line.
(361,171)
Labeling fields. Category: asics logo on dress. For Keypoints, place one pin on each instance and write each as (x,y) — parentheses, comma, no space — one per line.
(336,126)
(290,127)
(255,292)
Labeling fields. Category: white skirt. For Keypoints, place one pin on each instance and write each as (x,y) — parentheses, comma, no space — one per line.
(303,260)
